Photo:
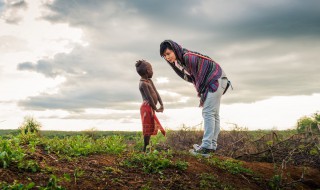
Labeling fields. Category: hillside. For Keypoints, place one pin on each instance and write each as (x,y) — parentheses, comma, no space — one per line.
(116,162)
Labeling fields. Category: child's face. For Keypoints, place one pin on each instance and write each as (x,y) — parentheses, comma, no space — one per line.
(149,71)
(169,55)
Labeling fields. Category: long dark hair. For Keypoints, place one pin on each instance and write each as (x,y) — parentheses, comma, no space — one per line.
(163,46)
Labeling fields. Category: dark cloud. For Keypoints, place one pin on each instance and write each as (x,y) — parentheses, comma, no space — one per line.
(1,6)
(267,49)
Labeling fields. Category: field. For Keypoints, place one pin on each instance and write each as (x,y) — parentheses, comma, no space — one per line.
(113,160)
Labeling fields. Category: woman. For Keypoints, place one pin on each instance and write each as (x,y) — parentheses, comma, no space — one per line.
(210,82)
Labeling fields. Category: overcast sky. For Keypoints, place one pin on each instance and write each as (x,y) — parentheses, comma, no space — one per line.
(70,64)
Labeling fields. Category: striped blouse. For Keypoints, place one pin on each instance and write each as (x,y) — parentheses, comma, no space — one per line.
(202,71)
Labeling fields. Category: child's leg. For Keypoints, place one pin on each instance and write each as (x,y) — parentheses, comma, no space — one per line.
(146,142)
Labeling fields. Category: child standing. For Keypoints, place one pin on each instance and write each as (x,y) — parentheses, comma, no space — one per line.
(150,96)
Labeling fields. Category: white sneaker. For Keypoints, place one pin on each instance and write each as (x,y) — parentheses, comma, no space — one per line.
(196,147)
(201,152)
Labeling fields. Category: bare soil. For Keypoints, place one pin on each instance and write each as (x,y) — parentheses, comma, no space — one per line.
(93,172)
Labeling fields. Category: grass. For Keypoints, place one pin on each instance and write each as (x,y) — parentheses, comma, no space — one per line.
(231,165)
(32,154)
(153,162)
(209,181)
(81,145)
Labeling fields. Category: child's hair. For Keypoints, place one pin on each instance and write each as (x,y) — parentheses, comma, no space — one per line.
(163,46)
(141,67)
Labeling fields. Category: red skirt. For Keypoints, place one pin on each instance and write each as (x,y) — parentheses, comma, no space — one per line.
(150,122)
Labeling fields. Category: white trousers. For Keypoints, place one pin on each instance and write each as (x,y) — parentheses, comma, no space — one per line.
(210,114)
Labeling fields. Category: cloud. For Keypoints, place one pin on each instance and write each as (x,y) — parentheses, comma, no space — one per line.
(267,49)
(102,82)
(13,11)
(112,116)
(8,43)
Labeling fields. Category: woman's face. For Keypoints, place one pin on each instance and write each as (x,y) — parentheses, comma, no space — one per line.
(169,55)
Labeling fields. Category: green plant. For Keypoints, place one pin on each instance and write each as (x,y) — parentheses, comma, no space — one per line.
(181,165)
(66,177)
(146,186)
(53,184)
(92,132)
(314,151)
(309,123)
(10,151)
(209,181)
(29,165)
(151,163)
(16,186)
(84,145)
(113,170)
(30,125)
(155,141)
(112,144)
(77,173)
(275,182)
(231,165)
(27,138)
(154,162)
(33,145)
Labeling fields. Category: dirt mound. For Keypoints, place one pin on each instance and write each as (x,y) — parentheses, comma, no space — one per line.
(104,171)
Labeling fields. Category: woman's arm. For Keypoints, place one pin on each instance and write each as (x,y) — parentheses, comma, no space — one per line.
(182,73)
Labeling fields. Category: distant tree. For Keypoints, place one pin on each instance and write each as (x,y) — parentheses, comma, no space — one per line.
(308,123)
(317,117)
(30,125)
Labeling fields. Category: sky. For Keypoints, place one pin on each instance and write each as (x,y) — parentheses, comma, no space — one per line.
(71,64)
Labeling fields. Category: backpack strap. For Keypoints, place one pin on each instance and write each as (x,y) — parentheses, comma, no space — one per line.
(228,84)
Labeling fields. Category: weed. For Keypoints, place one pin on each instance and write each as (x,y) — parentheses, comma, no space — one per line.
(66,177)
(10,151)
(29,165)
(116,180)
(154,162)
(182,165)
(77,173)
(53,184)
(113,170)
(30,125)
(26,139)
(314,151)
(112,144)
(231,165)
(155,142)
(275,182)
(208,181)
(47,168)
(84,145)
(146,186)
(16,186)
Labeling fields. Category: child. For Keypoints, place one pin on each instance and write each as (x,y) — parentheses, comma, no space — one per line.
(150,96)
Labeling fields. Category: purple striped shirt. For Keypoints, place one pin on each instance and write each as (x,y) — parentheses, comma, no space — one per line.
(202,71)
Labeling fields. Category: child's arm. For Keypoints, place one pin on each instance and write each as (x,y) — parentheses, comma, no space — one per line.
(159,98)
(147,93)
